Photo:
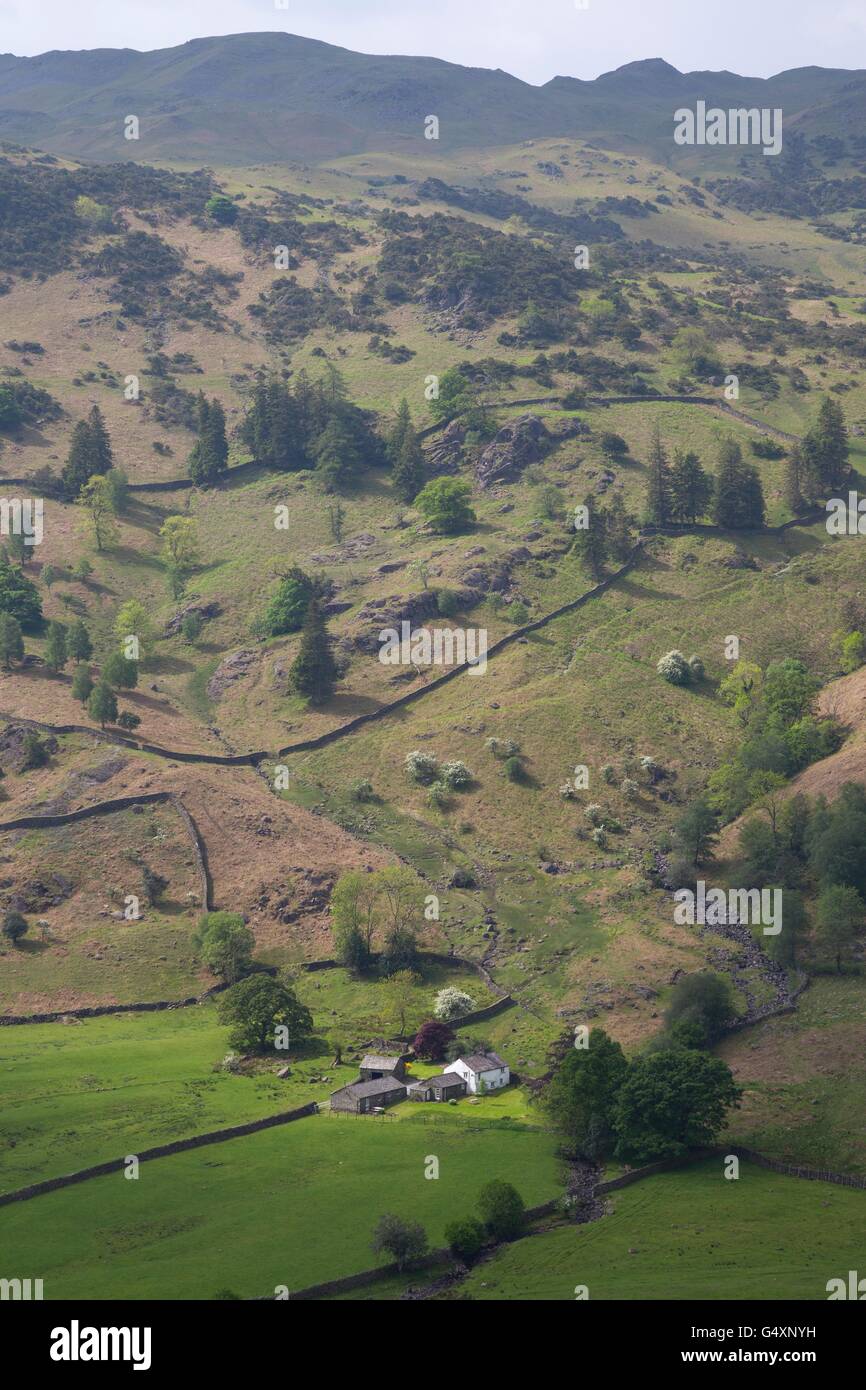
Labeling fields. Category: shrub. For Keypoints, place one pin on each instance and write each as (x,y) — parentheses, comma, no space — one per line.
(14,926)
(465,1239)
(437,797)
(128,720)
(599,836)
(432,1039)
(502,1209)
(675,669)
(630,788)
(593,813)
(362,791)
(452,1003)
(514,769)
(447,602)
(404,1241)
(608,772)
(422,767)
(456,775)
(696,666)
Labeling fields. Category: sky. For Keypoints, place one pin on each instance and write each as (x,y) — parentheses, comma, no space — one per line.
(533,39)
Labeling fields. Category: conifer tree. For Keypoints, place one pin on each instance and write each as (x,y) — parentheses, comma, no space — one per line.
(11,641)
(313,671)
(78,642)
(101,444)
(406,456)
(209,456)
(590,543)
(794,482)
(825,450)
(691,488)
(402,428)
(89,454)
(658,504)
(618,527)
(56,655)
(739,499)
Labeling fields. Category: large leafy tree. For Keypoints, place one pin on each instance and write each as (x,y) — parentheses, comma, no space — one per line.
(288,604)
(226,944)
(255,1007)
(840,920)
(582,1093)
(671,1101)
(502,1209)
(445,504)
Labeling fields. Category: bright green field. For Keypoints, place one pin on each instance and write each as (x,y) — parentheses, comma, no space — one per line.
(105,1087)
(293,1206)
(693,1235)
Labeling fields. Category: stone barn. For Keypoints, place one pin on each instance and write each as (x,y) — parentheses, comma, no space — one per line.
(445,1086)
(362,1097)
(374,1068)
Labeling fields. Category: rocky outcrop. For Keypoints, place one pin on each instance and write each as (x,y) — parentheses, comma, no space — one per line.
(204,611)
(445,455)
(12,754)
(518,444)
(230,669)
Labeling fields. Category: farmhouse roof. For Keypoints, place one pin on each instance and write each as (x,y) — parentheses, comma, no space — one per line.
(482,1061)
(373,1063)
(361,1089)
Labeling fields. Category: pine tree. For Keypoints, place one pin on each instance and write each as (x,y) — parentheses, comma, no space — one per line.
(658,503)
(409,472)
(102,705)
(89,453)
(313,671)
(56,655)
(618,527)
(336,454)
(78,642)
(397,437)
(11,641)
(209,456)
(691,488)
(590,543)
(80,461)
(825,450)
(101,444)
(739,499)
(793,489)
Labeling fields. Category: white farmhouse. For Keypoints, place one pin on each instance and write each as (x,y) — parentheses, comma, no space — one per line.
(483,1071)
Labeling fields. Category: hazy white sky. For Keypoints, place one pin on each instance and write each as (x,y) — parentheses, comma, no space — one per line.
(535,39)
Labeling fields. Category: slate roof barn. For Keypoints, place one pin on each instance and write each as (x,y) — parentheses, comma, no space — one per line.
(373,1067)
(361,1097)
(444,1086)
